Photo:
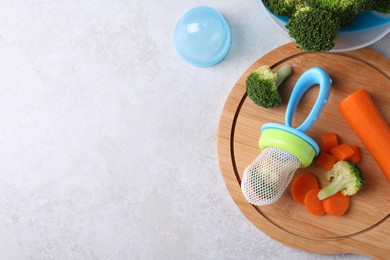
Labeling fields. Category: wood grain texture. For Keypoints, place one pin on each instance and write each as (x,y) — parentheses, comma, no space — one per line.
(365,228)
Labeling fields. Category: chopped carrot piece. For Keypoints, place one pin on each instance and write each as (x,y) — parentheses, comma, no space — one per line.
(301,185)
(342,152)
(313,204)
(336,205)
(329,140)
(325,160)
(357,154)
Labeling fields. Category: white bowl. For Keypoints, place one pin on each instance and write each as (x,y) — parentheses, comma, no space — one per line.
(367,28)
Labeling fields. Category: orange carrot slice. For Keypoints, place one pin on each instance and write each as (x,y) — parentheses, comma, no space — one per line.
(336,205)
(342,152)
(329,140)
(313,204)
(363,116)
(301,185)
(357,154)
(325,160)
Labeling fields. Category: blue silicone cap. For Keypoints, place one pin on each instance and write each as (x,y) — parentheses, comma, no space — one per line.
(202,36)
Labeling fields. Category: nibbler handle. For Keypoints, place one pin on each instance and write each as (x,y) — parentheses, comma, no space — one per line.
(310,78)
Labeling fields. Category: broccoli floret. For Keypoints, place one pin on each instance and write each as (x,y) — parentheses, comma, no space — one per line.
(355,6)
(263,83)
(382,6)
(345,176)
(313,29)
(284,7)
(345,10)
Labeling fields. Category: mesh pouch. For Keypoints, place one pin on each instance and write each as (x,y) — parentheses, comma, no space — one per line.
(268,176)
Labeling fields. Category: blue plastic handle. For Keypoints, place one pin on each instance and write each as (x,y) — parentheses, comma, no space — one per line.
(310,78)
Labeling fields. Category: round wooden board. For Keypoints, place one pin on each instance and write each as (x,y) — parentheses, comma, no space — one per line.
(365,229)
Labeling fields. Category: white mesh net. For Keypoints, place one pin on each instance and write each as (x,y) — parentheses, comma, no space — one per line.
(268,176)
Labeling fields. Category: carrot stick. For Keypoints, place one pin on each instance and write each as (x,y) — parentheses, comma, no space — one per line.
(342,152)
(329,140)
(336,204)
(362,115)
(325,160)
(357,154)
(313,204)
(301,185)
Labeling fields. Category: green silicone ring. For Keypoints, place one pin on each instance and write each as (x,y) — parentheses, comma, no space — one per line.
(288,142)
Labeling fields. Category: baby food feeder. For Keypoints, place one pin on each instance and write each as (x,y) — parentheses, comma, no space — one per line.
(285,148)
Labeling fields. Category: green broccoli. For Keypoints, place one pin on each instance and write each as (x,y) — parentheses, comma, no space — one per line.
(345,10)
(382,6)
(356,6)
(262,85)
(313,29)
(345,176)
(284,7)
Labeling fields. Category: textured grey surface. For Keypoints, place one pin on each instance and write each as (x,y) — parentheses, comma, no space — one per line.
(108,138)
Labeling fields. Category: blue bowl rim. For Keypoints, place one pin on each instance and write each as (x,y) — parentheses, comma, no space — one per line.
(364,21)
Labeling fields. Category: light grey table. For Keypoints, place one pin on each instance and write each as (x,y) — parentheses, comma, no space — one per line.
(108,138)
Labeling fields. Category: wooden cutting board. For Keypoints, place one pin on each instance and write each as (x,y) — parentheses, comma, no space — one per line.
(365,229)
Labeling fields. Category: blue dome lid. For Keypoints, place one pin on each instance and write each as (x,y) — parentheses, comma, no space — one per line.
(202,36)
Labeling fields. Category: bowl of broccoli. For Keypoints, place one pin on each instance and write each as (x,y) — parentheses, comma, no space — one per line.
(330,25)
